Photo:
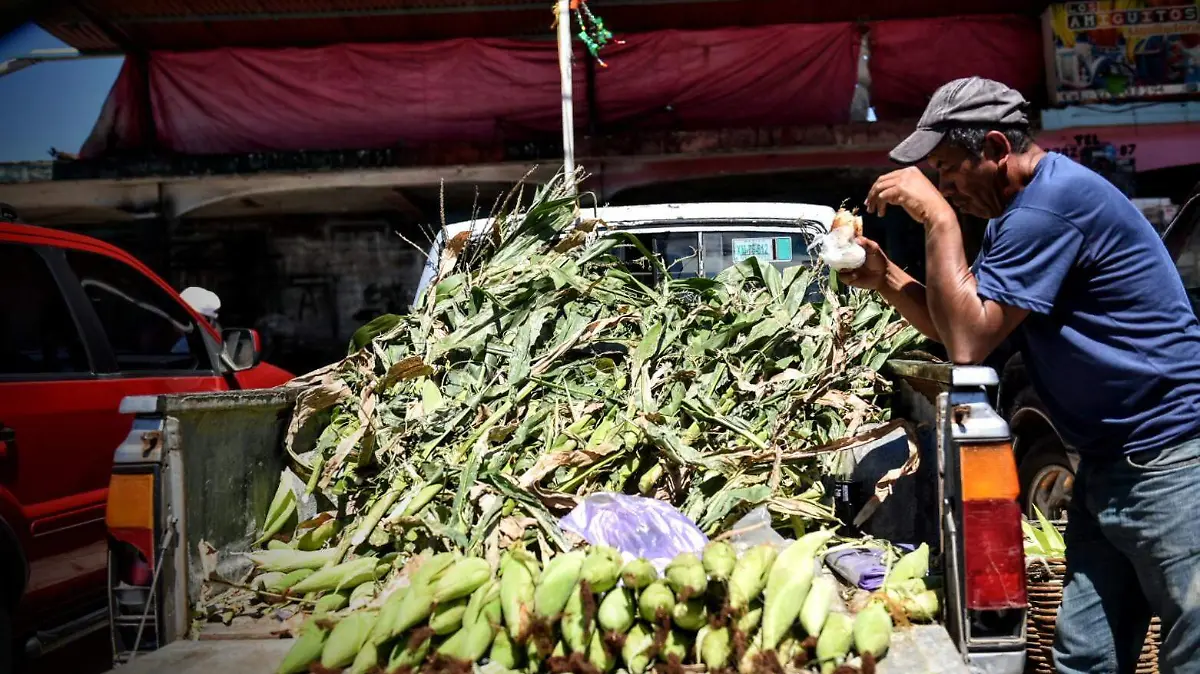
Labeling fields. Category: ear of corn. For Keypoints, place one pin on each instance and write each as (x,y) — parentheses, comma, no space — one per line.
(554,587)
(716,649)
(516,595)
(751,619)
(575,633)
(834,643)
(599,654)
(282,509)
(305,650)
(675,646)
(415,606)
(366,661)
(690,615)
(289,560)
(466,576)
(386,621)
(433,568)
(638,573)
(601,568)
(276,544)
(503,651)
(421,499)
(346,639)
(469,643)
(656,602)
(447,618)
(636,651)
(781,608)
(267,581)
(799,552)
(335,601)
(483,595)
(686,575)
(408,654)
(364,592)
(749,575)
(873,630)
(816,605)
(315,539)
(921,607)
(911,566)
(719,560)
(616,611)
(346,575)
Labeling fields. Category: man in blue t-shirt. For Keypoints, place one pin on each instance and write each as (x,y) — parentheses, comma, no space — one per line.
(1108,336)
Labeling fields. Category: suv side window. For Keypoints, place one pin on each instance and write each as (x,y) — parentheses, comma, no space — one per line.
(38,335)
(147,328)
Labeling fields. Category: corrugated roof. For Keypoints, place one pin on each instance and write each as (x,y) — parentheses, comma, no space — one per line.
(115,25)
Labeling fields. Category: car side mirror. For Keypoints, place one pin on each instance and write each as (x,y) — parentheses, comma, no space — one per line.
(243,347)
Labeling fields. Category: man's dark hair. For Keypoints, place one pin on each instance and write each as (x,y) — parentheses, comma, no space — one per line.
(970,138)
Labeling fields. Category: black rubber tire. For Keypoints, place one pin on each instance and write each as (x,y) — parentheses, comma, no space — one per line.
(1047,451)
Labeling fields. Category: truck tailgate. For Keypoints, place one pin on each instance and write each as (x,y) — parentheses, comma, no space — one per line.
(926,648)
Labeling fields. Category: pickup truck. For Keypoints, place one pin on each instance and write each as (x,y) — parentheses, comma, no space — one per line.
(198,471)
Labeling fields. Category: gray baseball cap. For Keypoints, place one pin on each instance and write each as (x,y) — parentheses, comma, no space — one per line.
(966,101)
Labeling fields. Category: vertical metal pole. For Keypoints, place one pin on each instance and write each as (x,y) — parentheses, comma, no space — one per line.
(568,107)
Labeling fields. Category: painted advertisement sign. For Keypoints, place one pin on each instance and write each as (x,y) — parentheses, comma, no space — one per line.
(1111,50)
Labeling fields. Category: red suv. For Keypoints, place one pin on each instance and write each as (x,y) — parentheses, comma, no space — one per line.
(83,325)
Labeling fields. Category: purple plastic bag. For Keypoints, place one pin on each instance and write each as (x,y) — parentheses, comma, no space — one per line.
(637,526)
(861,567)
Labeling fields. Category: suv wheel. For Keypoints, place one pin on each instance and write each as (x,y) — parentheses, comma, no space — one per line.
(1046,479)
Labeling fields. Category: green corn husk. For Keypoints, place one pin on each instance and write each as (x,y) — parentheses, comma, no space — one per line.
(305,650)
(281,511)
(914,565)
(638,573)
(462,579)
(833,645)
(719,560)
(346,639)
(516,594)
(554,587)
(636,651)
(816,606)
(616,611)
(690,615)
(600,655)
(410,651)
(447,618)
(749,575)
(686,576)
(503,651)
(316,538)
(873,630)
(715,648)
(575,633)
(656,602)
(335,601)
(601,568)
(288,560)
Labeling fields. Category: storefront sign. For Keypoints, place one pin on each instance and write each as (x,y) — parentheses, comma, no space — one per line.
(1109,50)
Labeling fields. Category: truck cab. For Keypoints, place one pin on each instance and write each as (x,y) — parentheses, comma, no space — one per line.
(83,325)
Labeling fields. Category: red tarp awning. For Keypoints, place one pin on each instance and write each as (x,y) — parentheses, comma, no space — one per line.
(910,59)
(384,95)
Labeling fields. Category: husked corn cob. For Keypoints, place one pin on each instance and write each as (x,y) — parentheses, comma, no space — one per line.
(656,601)
(816,605)
(516,594)
(689,615)
(616,611)
(466,576)
(554,587)
(305,650)
(749,575)
(289,560)
(873,630)
(635,652)
(912,566)
(719,559)
(346,639)
(638,573)
(447,618)
(686,576)
(601,568)
(834,643)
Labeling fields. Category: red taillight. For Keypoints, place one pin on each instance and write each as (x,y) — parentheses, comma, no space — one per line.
(992,538)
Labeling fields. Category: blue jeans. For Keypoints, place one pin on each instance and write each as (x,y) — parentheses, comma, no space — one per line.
(1133,549)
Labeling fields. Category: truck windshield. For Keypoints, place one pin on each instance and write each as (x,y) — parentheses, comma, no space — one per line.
(690,253)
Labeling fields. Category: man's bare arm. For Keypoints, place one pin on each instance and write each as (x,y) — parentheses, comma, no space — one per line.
(970,327)
(908,296)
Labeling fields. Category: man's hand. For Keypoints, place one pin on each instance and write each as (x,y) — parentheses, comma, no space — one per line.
(909,189)
(872,274)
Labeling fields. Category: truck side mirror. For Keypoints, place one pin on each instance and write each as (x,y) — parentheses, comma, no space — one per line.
(243,346)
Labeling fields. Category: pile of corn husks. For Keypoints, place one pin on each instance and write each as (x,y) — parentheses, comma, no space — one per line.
(537,369)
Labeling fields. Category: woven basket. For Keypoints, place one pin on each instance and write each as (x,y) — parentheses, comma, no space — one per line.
(1045,585)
